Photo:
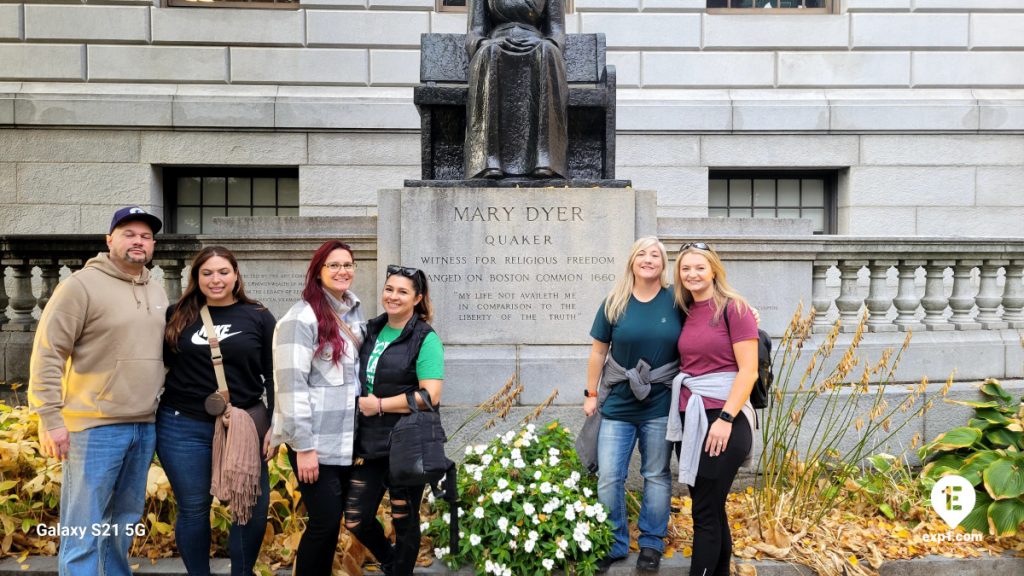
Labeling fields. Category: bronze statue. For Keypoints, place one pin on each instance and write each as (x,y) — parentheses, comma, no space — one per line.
(516,109)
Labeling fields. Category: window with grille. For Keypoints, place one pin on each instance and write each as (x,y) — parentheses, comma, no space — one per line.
(806,195)
(195,196)
(807,6)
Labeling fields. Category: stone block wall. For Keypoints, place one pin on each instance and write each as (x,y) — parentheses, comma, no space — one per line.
(919,105)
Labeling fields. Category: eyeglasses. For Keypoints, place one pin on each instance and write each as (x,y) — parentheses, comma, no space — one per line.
(335,267)
(697,245)
(403,270)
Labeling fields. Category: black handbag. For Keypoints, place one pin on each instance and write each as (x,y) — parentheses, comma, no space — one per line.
(416,456)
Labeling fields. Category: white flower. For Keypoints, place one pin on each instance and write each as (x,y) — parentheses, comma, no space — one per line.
(579,506)
(520,463)
(538,462)
(553,451)
(548,564)
(575,476)
(529,546)
(559,554)
(478,513)
(503,524)
(469,452)
(514,531)
(474,539)
(585,545)
(447,517)
(479,449)
(537,475)
(478,476)
(563,544)
(502,484)
(424,526)
(528,509)
(570,513)
(530,428)
(532,535)
(513,544)
(520,489)
(545,488)
(587,492)
(441,552)
(553,461)
(462,512)
(504,462)
(516,454)
(487,459)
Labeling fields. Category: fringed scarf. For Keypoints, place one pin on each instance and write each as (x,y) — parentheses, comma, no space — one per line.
(236,463)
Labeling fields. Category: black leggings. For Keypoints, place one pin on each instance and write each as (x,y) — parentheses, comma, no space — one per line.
(712,541)
(323,500)
(366,490)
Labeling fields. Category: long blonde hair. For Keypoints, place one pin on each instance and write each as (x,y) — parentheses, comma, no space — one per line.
(723,293)
(615,302)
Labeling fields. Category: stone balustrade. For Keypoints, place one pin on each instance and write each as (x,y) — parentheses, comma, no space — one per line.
(24,255)
(904,283)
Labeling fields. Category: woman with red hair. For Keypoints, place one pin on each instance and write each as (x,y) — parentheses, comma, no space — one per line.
(316,355)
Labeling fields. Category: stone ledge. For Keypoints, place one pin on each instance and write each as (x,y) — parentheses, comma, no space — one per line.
(340,107)
(926,566)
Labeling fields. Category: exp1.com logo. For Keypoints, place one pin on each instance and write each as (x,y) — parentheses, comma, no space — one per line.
(953,499)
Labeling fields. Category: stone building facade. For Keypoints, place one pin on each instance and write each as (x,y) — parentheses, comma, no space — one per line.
(870,117)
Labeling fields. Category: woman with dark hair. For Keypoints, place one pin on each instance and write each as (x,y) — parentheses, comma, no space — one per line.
(401,355)
(711,416)
(184,429)
(316,348)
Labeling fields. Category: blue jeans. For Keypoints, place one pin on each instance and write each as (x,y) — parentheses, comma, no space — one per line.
(102,494)
(615,445)
(185,448)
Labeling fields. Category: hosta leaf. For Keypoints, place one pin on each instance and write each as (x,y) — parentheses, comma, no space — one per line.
(943,465)
(1002,438)
(961,437)
(992,388)
(979,423)
(882,462)
(992,415)
(1006,516)
(1004,479)
(978,518)
(975,403)
(976,464)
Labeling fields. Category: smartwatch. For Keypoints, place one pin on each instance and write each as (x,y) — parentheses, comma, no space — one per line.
(726,417)
(588,394)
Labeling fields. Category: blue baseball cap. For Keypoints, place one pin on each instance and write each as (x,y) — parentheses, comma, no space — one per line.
(130,213)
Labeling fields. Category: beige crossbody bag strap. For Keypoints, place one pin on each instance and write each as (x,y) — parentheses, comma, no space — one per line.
(215,355)
(348,331)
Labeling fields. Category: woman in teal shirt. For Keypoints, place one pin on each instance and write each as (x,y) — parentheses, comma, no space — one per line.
(638,325)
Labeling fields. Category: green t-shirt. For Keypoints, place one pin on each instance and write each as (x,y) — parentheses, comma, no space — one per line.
(648,330)
(429,363)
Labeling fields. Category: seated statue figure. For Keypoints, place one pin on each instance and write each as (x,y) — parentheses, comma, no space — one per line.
(516,109)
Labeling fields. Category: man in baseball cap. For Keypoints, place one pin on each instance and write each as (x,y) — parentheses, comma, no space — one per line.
(96,411)
(132,213)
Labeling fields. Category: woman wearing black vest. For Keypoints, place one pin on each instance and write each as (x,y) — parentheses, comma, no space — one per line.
(401,354)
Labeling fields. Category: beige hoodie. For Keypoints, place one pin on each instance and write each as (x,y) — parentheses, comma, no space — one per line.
(98,353)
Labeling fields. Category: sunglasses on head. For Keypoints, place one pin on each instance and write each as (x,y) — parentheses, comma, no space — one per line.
(697,245)
(403,271)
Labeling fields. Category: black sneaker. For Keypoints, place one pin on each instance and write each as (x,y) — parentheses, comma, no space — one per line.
(649,560)
(605,563)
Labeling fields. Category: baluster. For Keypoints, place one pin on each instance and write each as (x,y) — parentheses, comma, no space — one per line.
(906,300)
(849,302)
(1013,295)
(990,296)
(23,302)
(172,277)
(820,299)
(50,274)
(961,302)
(4,300)
(934,301)
(878,302)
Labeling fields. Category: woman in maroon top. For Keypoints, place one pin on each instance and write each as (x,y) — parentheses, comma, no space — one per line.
(711,413)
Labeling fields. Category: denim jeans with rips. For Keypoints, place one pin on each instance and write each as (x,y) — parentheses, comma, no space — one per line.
(102,494)
(614,449)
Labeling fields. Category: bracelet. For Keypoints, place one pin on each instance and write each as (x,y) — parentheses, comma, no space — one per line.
(380,406)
